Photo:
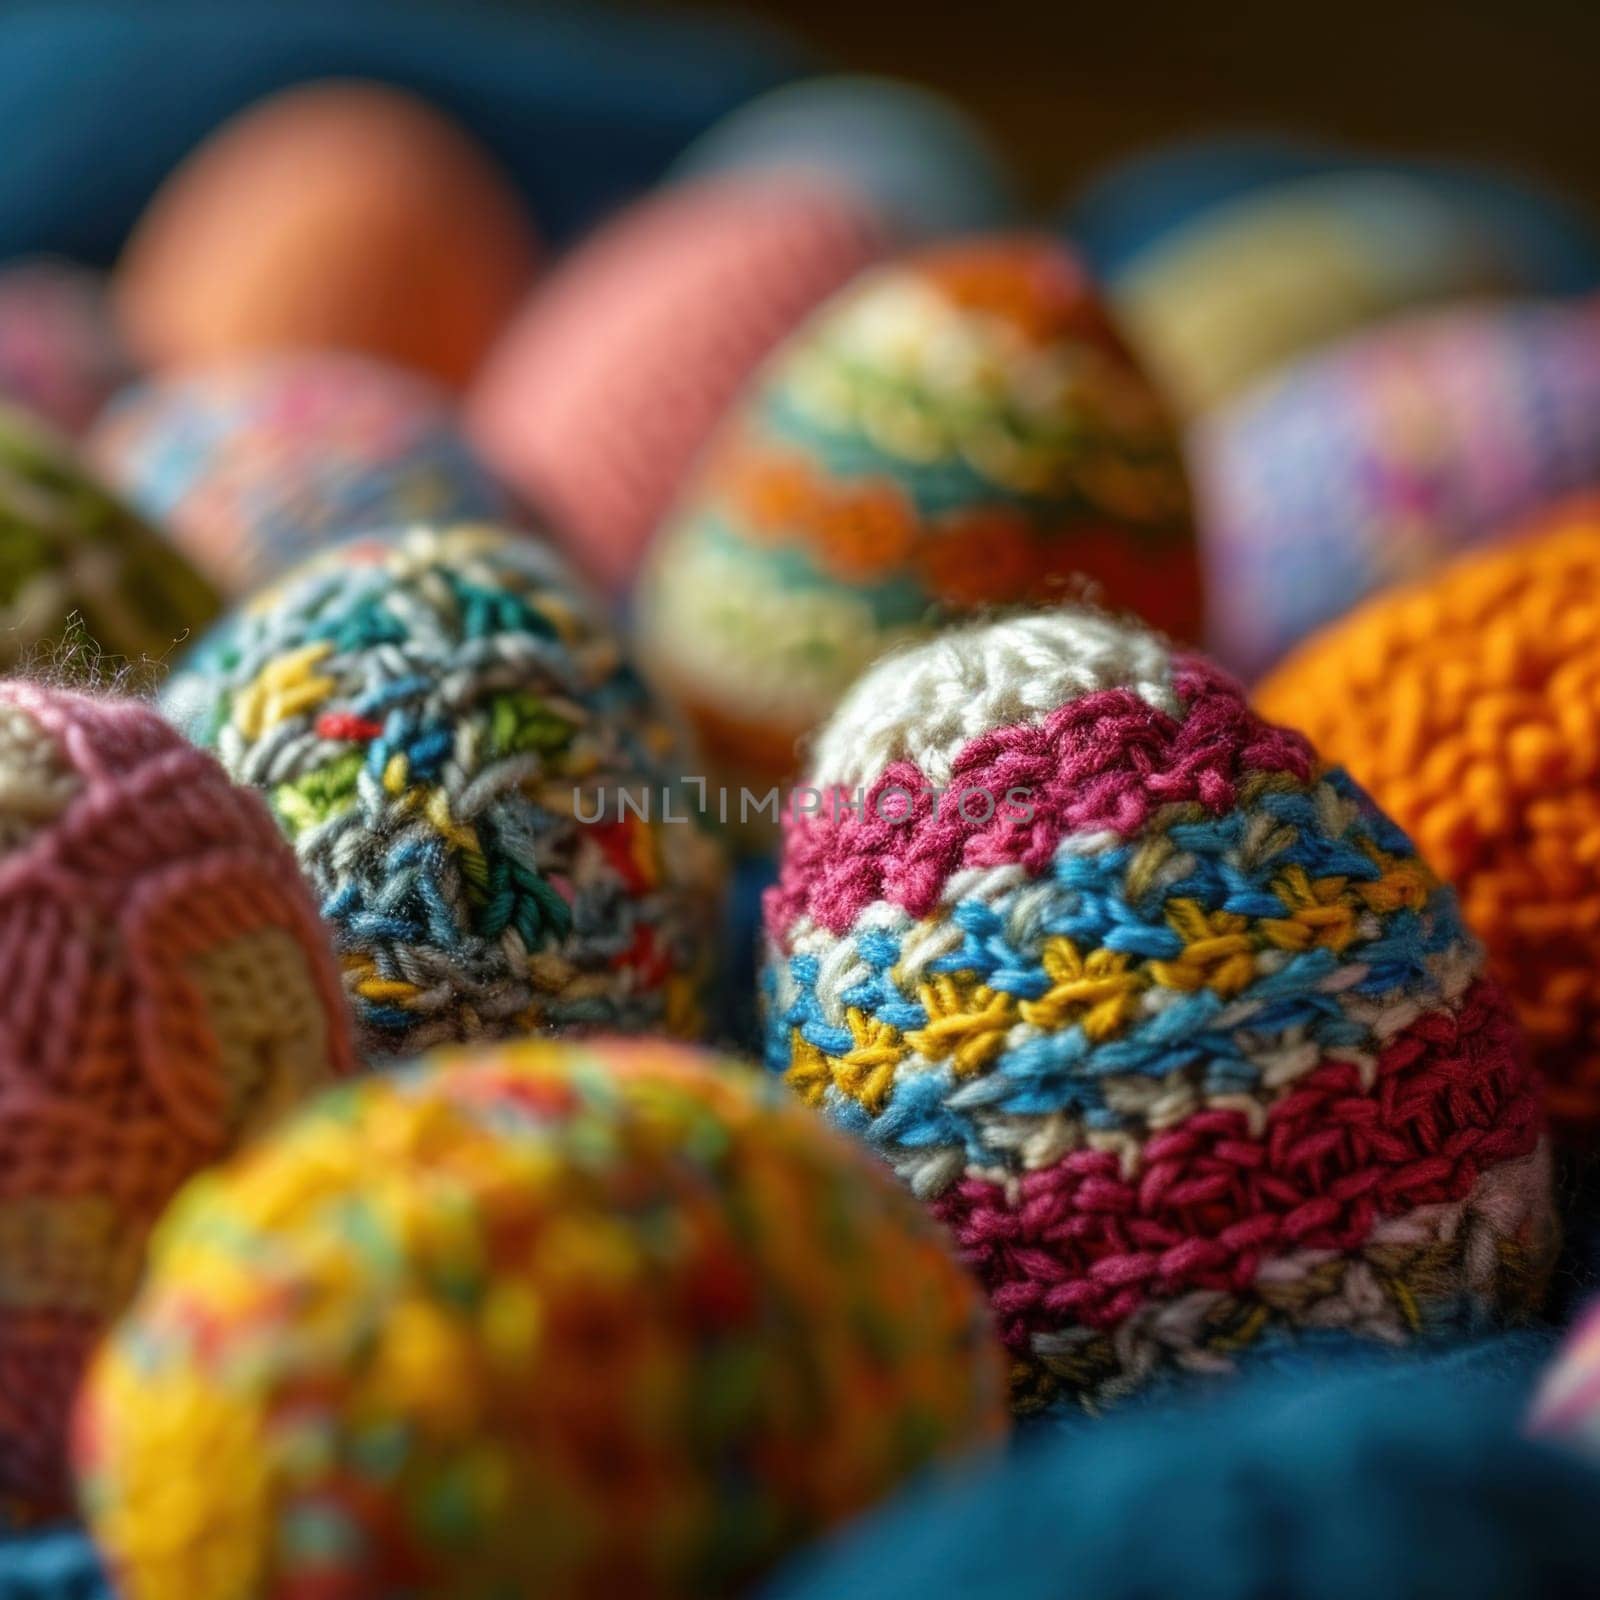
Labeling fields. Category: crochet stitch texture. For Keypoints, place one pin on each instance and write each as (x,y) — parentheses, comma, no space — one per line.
(168,990)
(489,806)
(1469,704)
(545,1319)
(76,566)
(957,429)
(256,464)
(1169,1025)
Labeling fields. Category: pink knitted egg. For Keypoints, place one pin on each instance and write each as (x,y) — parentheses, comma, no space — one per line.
(601,394)
(168,988)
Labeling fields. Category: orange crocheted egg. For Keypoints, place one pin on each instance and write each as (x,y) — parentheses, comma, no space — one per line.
(345,215)
(168,988)
(1469,705)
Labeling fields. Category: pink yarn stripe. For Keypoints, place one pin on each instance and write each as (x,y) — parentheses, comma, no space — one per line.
(1081,1243)
(1105,761)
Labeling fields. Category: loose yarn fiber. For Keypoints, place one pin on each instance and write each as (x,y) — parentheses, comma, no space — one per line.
(1469,704)
(598,398)
(256,464)
(489,806)
(81,577)
(546,1320)
(957,429)
(1172,1028)
(1376,461)
(168,990)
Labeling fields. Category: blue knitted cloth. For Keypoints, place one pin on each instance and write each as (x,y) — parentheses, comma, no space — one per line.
(1383,1476)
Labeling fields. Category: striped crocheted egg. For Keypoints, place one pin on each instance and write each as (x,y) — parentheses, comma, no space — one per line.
(546,1320)
(599,397)
(1469,704)
(168,989)
(1376,460)
(256,464)
(1170,1026)
(84,584)
(960,428)
(491,808)
(60,357)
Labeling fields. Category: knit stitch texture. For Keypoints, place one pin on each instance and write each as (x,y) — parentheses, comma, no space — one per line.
(598,398)
(1170,1026)
(168,990)
(488,804)
(958,429)
(1469,705)
(554,1320)
(257,463)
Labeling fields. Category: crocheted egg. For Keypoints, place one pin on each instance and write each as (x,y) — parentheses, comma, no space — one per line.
(957,429)
(60,357)
(83,582)
(1249,285)
(1172,1028)
(1375,461)
(1541,235)
(491,809)
(549,1320)
(335,214)
(255,464)
(913,155)
(597,400)
(168,990)
(1469,704)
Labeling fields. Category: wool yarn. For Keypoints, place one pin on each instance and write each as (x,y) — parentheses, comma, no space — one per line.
(564,1320)
(957,429)
(348,215)
(1250,285)
(491,809)
(1467,704)
(1391,1478)
(84,583)
(60,357)
(1173,1029)
(257,463)
(168,990)
(598,398)
(911,154)
(1376,460)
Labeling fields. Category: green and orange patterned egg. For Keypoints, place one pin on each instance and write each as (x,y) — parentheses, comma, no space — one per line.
(960,429)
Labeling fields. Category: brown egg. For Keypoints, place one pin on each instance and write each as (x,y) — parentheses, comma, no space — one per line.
(337,214)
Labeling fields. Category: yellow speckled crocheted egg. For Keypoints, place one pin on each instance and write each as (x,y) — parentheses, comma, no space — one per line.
(564,1321)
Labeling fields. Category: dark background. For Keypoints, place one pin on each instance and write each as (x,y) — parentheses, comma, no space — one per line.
(1067,87)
